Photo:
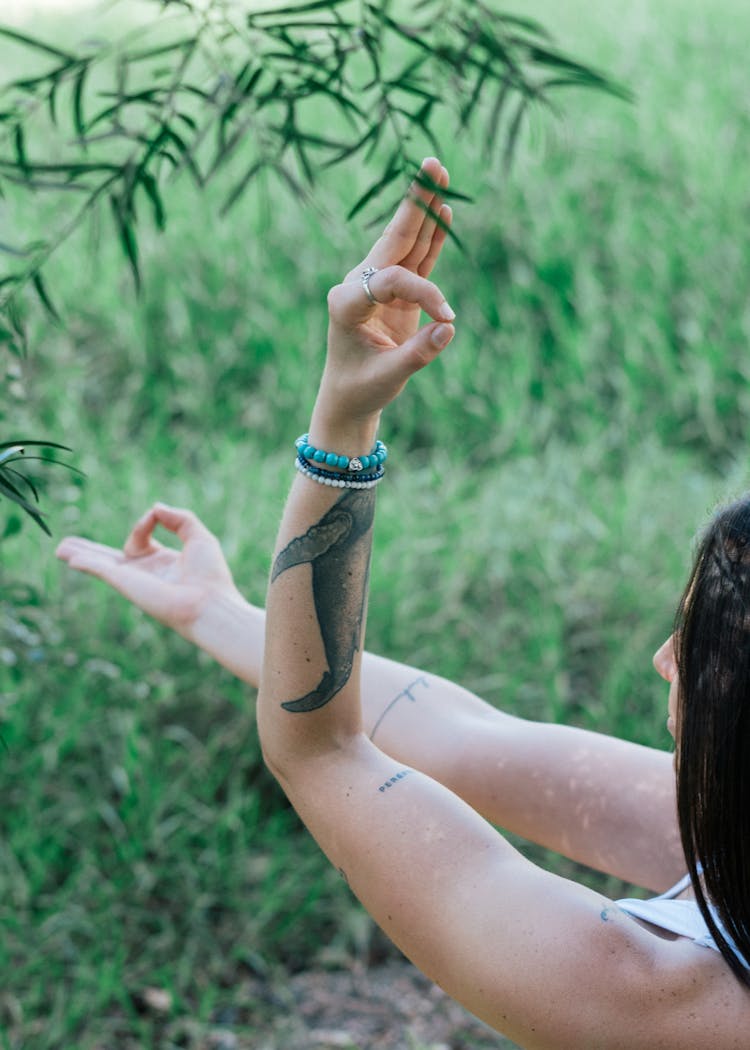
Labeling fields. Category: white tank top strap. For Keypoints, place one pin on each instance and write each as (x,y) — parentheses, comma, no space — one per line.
(674,891)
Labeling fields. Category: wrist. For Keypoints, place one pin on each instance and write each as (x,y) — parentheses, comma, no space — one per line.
(231,630)
(337,430)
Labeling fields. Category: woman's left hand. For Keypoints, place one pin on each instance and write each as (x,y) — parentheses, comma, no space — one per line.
(374,347)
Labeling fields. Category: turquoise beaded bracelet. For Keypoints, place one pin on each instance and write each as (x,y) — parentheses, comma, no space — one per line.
(308,452)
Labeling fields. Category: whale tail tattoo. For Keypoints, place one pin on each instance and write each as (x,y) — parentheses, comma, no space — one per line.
(335,547)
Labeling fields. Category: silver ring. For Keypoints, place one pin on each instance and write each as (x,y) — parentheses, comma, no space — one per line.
(366,275)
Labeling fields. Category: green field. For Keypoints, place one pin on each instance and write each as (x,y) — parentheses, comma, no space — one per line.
(548,476)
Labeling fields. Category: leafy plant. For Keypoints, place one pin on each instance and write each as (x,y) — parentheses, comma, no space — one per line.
(243,94)
(16,485)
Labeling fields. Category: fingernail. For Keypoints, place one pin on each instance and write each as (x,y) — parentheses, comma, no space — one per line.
(442,335)
(445,313)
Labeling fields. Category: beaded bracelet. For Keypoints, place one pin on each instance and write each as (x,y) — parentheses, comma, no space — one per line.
(339,480)
(375,475)
(309,453)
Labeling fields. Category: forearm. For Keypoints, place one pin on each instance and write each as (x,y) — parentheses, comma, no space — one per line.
(309,697)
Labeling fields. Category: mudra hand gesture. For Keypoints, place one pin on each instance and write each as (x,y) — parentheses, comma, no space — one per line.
(374,342)
(173,586)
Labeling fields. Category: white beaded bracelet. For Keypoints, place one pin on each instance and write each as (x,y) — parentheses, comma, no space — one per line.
(343,482)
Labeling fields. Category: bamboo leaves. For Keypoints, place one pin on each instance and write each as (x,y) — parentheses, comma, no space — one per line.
(386,81)
(16,485)
(290,90)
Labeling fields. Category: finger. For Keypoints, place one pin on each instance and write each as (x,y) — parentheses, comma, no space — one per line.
(144,590)
(426,345)
(419,351)
(401,233)
(349,305)
(70,544)
(139,541)
(183,523)
(439,236)
(423,243)
(103,565)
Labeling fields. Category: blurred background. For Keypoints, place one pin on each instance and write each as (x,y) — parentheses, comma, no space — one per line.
(548,476)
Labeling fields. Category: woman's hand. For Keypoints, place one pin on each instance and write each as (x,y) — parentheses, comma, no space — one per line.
(173,586)
(373,347)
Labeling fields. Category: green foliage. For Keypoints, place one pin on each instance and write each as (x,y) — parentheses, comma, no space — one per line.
(17,486)
(546,478)
(216,90)
(251,91)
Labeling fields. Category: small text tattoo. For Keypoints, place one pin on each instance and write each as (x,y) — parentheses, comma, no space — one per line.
(394,780)
(405,694)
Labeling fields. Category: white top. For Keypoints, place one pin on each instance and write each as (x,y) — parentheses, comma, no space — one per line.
(682,917)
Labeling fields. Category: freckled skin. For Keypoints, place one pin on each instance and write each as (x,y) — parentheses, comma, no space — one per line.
(335,548)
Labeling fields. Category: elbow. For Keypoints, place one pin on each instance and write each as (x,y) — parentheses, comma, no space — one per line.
(270,751)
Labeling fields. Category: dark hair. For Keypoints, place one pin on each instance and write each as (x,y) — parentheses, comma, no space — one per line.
(712,648)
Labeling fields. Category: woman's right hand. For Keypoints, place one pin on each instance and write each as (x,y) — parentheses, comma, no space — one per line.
(173,586)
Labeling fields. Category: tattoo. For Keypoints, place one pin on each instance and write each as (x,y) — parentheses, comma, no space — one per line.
(338,548)
(394,780)
(405,693)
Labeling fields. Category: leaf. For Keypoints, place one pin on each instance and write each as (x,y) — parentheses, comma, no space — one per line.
(513,132)
(164,49)
(151,187)
(72,169)
(424,206)
(493,123)
(41,291)
(9,490)
(295,186)
(26,481)
(444,191)
(588,77)
(241,186)
(393,171)
(8,249)
(529,24)
(52,99)
(9,451)
(19,141)
(39,45)
(128,240)
(354,147)
(78,119)
(26,443)
(297,9)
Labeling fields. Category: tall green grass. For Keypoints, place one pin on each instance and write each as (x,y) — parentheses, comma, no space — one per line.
(547,476)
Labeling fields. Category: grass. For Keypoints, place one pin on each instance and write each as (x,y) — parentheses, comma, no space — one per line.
(548,475)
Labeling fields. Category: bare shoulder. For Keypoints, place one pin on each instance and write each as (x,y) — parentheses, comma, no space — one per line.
(584,974)
(668,992)
(696,1000)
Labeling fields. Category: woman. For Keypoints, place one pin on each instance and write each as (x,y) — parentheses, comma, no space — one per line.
(394,771)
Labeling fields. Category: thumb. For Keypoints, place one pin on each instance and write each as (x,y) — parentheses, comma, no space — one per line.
(424,347)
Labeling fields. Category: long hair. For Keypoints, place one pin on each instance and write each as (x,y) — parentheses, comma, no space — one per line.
(712,649)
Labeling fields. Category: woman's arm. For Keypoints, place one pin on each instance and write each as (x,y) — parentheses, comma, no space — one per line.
(513,943)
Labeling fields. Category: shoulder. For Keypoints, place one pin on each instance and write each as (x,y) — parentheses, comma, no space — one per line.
(669,992)
(586,974)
